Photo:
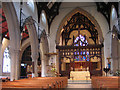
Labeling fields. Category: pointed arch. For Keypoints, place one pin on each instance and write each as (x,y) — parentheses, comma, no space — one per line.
(29,22)
(85,13)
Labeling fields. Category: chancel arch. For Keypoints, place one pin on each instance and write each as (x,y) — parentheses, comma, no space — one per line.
(69,15)
(79,45)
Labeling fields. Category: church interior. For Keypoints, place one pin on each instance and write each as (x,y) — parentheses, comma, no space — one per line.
(55,44)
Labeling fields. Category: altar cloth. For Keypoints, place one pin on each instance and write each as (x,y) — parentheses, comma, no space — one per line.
(80,75)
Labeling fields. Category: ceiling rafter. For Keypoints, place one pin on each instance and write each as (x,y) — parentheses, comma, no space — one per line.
(75,23)
(105,9)
(50,12)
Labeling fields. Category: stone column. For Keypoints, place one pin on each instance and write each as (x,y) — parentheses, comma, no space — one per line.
(12,63)
(17,65)
(43,67)
(115,54)
(1,61)
(119,56)
(44,58)
(57,61)
(107,48)
(34,65)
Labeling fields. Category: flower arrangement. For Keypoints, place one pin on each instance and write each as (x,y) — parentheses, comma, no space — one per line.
(117,73)
(53,69)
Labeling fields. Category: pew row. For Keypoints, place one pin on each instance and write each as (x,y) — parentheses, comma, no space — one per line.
(4,78)
(36,83)
(102,82)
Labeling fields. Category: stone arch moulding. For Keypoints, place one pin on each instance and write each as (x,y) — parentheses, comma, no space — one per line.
(29,22)
(100,34)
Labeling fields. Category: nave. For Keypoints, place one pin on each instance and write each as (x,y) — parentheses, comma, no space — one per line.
(77,84)
(48,45)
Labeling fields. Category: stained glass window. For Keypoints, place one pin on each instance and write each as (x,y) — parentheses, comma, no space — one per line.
(80,40)
(6,61)
(81,55)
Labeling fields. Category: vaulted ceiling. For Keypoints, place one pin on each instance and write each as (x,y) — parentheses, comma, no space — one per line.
(51,9)
(105,9)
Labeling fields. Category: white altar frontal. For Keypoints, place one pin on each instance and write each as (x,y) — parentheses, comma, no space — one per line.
(79,75)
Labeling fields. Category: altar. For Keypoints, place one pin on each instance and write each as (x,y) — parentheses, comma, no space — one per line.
(79,75)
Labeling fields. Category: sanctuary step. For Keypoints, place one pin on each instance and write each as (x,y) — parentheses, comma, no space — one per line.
(79,81)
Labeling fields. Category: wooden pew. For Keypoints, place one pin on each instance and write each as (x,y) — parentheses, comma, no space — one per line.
(4,78)
(38,82)
(105,82)
(54,79)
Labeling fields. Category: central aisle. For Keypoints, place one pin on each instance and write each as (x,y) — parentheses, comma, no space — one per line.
(83,84)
